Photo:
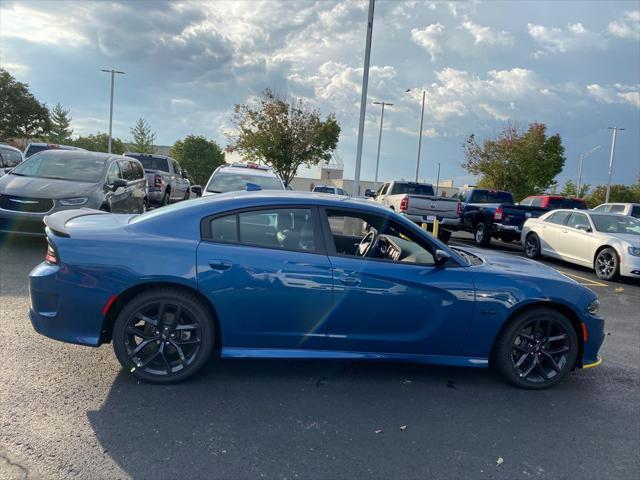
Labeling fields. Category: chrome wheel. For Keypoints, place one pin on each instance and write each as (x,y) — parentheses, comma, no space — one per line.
(540,350)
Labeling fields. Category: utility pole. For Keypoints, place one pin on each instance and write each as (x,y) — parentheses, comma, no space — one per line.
(375,181)
(438,180)
(420,137)
(613,153)
(363,99)
(113,74)
(583,156)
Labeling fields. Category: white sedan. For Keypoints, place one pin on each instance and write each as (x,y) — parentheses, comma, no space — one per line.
(610,244)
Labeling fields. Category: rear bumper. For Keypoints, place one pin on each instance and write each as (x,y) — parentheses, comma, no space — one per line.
(501,228)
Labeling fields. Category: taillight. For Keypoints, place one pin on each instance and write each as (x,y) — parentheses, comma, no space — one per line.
(404,204)
(459,209)
(497,215)
(157,181)
(51,256)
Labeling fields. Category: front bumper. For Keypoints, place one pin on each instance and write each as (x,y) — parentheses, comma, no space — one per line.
(630,266)
(595,337)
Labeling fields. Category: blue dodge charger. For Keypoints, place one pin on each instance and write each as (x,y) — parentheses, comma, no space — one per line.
(292,275)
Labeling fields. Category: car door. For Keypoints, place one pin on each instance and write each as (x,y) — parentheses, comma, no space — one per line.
(128,174)
(266,273)
(118,198)
(551,231)
(407,307)
(576,239)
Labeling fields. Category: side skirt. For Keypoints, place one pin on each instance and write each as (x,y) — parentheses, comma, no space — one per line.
(234,352)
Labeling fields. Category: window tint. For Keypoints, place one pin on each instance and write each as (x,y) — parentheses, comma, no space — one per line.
(616,209)
(138,170)
(290,228)
(555,203)
(324,189)
(9,158)
(153,163)
(635,211)
(176,167)
(490,196)
(526,202)
(559,218)
(411,188)
(224,229)
(113,173)
(399,244)
(536,202)
(127,170)
(577,219)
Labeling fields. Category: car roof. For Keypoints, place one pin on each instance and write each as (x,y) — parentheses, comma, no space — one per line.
(556,197)
(618,203)
(59,145)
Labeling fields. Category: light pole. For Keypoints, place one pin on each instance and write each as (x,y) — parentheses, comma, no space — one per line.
(363,99)
(420,136)
(438,180)
(113,74)
(582,158)
(375,181)
(613,153)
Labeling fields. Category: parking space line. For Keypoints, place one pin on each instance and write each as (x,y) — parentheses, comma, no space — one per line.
(590,282)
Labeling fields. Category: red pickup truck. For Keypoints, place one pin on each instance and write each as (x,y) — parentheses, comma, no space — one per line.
(552,202)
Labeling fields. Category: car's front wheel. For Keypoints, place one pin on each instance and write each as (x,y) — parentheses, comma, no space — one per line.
(164,335)
(607,264)
(532,246)
(537,349)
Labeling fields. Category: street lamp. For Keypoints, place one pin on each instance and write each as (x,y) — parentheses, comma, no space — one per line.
(375,181)
(613,153)
(420,136)
(582,158)
(113,74)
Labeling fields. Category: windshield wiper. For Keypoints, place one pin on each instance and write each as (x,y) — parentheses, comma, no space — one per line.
(214,191)
(18,174)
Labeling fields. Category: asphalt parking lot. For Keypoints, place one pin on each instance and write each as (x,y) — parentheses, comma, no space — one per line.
(70,412)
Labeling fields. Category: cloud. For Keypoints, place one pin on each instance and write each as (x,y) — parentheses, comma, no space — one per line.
(429,38)
(488,36)
(626,27)
(558,40)
(615,94)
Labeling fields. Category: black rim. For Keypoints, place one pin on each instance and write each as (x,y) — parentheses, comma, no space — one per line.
(605,264)
(162,338)
(540,350)
(532,246)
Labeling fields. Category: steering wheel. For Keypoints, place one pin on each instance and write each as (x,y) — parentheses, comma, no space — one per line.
(366,243)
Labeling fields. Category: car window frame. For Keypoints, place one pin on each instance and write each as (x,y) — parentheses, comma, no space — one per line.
(106,177)
(318,237)
(548,221)
(572,214)
(331,248)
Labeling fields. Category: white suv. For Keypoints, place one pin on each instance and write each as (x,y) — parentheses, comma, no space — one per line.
(242,176)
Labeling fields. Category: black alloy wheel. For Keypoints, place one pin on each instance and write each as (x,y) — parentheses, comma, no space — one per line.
(163,336)
(532,246)
(607,265)
(537,350)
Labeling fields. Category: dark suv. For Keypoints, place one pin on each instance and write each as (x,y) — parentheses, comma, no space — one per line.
(56,180)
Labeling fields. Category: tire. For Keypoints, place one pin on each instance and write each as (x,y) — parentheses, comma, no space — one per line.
(165,199)
(526,360)
(444,235)
(481,235)
(174,349)
(105,208)
(532,246)
(607,264)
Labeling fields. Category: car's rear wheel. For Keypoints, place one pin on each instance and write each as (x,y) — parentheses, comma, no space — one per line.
(607,264)
(537,349)
(481,235)
(532,246)
(165,198)
(164,335)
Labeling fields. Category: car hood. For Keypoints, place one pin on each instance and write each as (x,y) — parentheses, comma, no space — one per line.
(42,187)
(629,238)
(511,265)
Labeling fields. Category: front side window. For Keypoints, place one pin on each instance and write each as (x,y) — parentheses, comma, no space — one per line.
(366,236)
(113,173)
(616,224)
(559,218)
(127,170)
(284,228)
(616,209)
(578,219)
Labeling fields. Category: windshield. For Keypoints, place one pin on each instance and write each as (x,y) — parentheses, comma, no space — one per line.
(323,189)
(62,165)
(556,203)
(233,182)
(9,158)
(412,189)
(151,163)
(616,224)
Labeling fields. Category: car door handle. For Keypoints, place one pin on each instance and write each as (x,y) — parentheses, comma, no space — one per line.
(219,265)
(349,281)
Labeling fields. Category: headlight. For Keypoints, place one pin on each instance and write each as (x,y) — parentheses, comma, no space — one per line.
(635,251)
(594,307)
(73,202)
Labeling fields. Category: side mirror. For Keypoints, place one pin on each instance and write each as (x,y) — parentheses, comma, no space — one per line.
(184,174)
(441,257)
(197,189)
(117,183)
(584,228)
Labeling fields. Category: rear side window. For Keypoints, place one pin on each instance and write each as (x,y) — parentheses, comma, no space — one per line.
(578,219)
(635,211)
(526,202)
(126,168)
(224,229)
(616,209)
(559,218)
(152,163)
(490,196)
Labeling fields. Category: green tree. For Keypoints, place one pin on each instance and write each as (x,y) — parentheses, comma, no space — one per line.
(618,193)
(284,134)
(524,163)
(22,115)
(570,189)
(99,142)
(142,137)
(60,125)
(199,156)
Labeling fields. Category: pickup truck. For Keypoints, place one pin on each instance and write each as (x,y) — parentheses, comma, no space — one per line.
(492,213)
(167,181)
(418,202)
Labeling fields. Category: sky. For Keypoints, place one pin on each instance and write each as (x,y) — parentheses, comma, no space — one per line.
(574,66)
